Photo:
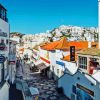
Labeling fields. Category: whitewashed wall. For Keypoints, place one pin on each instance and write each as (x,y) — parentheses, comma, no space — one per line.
(4,26)
(4,92)
(56,56)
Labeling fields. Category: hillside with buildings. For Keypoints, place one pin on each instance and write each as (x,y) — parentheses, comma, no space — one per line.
(59,64)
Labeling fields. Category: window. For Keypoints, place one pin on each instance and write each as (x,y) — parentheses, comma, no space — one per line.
(74,89)
(2,41)
(53,68)
(3,14)
(7,41)
(83,62)
(57,71)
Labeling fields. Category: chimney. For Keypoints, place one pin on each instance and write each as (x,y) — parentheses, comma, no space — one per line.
(99,21)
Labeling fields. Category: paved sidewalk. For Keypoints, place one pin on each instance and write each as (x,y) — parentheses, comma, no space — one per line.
(46,87)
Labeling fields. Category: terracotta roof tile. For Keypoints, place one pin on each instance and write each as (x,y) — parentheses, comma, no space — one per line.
(67,58)
(90,51)
(63,44)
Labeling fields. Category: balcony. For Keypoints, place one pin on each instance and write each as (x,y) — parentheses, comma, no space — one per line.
(2,47)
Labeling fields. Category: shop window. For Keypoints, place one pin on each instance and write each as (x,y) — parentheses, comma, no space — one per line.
(83,62)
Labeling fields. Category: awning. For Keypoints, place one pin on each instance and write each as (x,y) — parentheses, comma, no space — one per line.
(45,60)
(38,62)
(42,66)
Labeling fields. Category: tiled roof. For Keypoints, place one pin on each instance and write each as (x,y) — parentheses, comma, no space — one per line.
(90,51)
(79,44)
(63,44)
(50,46)
(67,58)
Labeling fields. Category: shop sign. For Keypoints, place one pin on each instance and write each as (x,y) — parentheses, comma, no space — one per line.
(2,59)
(45,60)
(12,58)
(72,53)
(85,89)
(3,34)
(60,63)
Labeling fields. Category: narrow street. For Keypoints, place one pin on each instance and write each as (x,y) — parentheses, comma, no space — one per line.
(26,79)
(14,92)
(46,87)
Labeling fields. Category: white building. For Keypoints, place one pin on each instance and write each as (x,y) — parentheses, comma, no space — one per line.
(80,86)
(4,54)
(12,61)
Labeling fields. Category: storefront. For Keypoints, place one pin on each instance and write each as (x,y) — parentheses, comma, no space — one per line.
(43,69)
(81,93)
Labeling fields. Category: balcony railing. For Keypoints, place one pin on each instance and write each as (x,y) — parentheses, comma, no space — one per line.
(3,47)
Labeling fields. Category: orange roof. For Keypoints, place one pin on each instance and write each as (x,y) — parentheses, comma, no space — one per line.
(67,58)
(22,49)
(63,44)
(79,44)
(50,46)
(60,44)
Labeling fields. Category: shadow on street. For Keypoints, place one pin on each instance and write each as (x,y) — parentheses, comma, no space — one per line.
(15,94)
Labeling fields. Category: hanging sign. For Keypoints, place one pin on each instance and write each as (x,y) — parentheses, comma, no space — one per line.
(2,59)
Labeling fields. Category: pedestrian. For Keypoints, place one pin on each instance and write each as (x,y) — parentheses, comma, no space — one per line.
(17,64)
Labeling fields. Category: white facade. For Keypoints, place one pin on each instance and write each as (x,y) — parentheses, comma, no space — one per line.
(12,61)
(86,83)
(58,66)
(4,92)
(4,52)
(4,27)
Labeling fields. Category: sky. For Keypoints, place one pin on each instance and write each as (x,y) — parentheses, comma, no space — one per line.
(34,16)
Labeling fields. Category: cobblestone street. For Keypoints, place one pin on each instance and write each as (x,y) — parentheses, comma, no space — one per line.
(46,87)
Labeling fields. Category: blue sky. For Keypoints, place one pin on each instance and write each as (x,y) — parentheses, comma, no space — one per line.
(33,16)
